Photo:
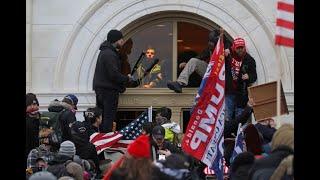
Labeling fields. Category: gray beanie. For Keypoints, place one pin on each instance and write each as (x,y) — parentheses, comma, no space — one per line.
(43,175)
(67,148)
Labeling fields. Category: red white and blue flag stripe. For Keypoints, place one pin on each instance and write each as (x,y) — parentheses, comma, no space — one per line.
(285,23)
(239,146)
(120,138)
(203,138)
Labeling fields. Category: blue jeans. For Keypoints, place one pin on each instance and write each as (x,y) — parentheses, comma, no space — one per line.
(231,108)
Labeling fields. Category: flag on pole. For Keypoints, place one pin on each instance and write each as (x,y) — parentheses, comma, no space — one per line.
(239,145)
(121,138)
(285,23)
(209,171)
(204,135)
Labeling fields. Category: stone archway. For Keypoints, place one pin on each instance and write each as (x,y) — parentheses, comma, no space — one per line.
(74,66)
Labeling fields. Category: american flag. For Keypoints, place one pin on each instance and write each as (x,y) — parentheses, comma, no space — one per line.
(121,138)
(239,146)
(209,171)
(285,23)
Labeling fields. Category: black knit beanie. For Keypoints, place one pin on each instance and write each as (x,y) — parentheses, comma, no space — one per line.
(31,99)
(114,35)
(214,36)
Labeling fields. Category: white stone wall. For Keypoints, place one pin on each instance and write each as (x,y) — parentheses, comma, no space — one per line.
(63,37)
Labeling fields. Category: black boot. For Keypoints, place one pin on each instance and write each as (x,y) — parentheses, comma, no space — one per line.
(175,86)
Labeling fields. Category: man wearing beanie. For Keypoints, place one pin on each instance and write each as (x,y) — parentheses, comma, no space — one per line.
(32,123)
(65,155)
(42,175)
(67,148)
(108,81)
(198,64)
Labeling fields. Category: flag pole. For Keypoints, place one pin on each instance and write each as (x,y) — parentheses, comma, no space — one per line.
(278,121)
(150,120)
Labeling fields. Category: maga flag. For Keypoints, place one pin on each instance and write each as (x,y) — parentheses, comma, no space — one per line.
(204,135)
(285,23)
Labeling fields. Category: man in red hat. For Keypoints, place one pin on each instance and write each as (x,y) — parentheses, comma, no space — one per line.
(240,70)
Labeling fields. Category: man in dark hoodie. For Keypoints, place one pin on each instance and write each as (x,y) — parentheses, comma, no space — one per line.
(66,153)
(85,149)
(241,165)
(198,64)
(108,81)
(32,123)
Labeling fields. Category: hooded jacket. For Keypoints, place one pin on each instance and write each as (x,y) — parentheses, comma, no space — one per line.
(107,75)
(248,66)
(270,163)
(32,132)
(84,149)
(58,165)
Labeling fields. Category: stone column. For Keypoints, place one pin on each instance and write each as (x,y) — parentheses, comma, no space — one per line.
(29,14)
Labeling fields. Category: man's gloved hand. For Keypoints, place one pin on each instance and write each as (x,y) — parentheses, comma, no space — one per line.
(130,78)
(134,83)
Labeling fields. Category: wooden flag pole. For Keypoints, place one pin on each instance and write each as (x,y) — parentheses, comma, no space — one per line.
(278,119)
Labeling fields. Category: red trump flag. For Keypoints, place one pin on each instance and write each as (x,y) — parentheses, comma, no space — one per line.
(203,138)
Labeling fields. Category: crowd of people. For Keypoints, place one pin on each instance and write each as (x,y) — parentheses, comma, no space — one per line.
(58,145)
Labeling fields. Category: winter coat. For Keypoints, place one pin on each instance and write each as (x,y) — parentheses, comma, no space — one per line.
(248,66)
(231,126)
(58,165)
(166,145)
(32,133)
(266,131)
(205,55)
(85,149)
(266,166)
(107,75)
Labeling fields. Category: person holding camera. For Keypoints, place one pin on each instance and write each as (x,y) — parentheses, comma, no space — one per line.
(240,71)
(162,147)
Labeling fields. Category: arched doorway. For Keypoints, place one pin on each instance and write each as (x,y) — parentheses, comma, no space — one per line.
(76,63)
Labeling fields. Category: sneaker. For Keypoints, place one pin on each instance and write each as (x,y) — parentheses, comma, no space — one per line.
(175,86)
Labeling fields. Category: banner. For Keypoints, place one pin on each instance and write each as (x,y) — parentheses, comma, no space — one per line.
(203,138)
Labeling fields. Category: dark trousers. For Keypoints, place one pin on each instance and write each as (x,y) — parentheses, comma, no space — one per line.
(108,102)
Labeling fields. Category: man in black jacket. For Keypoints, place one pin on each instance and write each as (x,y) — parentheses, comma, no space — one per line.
(67,116)
(240,74)
(85,149)
(162,146)
(32,123)
(198,64)
(108,81)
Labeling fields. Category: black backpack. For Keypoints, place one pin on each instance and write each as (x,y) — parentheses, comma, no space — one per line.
(51,120)
(60,170)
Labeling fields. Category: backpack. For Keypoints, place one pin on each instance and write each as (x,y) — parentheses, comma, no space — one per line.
(51,120)
(59,170)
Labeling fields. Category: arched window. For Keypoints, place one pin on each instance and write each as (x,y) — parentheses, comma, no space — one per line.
(171,38)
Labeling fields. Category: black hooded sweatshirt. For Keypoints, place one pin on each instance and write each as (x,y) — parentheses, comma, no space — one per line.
(107,75)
